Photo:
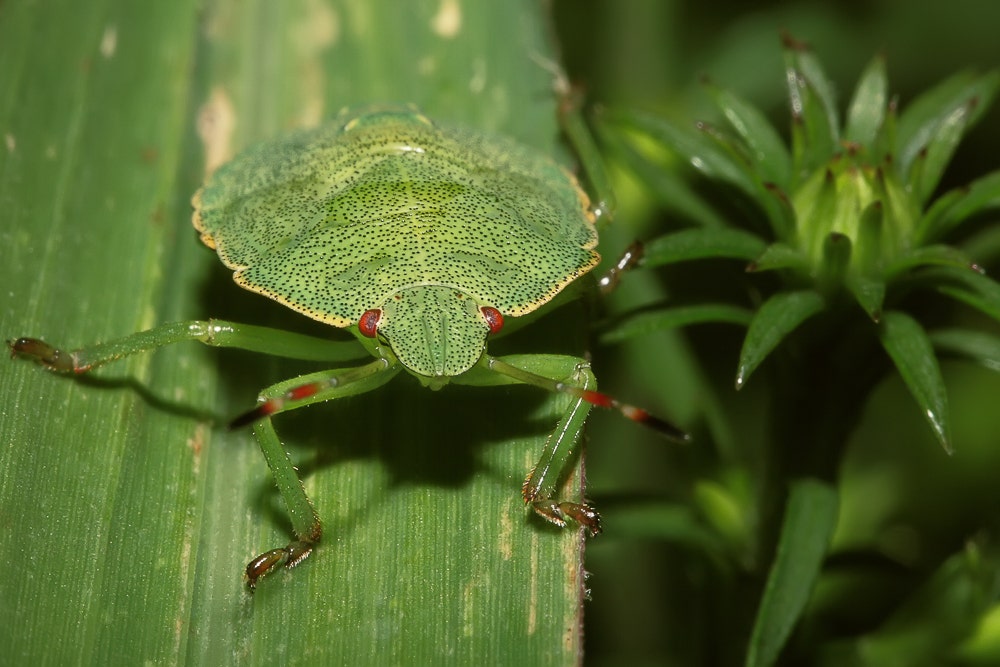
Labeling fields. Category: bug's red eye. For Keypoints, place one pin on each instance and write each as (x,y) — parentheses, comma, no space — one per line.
(368,322)
(494,320)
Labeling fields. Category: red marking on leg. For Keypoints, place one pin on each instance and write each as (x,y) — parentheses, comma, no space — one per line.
(655,423)
(265,409)
(635,414)
(269,407)
(305,391)
(598,399)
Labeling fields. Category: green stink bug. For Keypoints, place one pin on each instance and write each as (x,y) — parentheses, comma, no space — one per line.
(419,239)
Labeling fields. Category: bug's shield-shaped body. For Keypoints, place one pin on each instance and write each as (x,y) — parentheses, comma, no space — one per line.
(386,211)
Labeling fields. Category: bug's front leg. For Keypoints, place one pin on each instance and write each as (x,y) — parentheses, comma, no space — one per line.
(289,395)
(306,525)
(540,486)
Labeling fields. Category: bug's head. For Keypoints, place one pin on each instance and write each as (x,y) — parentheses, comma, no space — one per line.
(436,332)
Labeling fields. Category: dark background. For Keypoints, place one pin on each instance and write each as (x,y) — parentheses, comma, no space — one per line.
(655,599)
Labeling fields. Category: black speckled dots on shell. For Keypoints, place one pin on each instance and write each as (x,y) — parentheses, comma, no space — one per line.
(341,219)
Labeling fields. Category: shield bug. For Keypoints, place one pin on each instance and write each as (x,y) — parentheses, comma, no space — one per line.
(420,239)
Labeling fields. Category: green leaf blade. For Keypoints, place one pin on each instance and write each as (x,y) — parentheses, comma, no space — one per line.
(698,149)
(979,346)
(815,124)
(866,112)
(774,320)
(953,208)
(921,120)
(931,161)
(870,295)
(644,323)
(665,184)
(693,244)
(767,149)
(968,286)
(929,256)
(810,519)
(781,256)
(911,352)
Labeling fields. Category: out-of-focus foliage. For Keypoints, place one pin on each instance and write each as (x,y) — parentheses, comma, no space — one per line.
(822,402)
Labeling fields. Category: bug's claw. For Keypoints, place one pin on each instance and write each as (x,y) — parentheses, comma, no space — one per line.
(267,562)
(585,515)
(47,355)
(559,512)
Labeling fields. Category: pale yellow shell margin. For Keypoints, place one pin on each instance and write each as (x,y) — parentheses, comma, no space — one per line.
(207,239)
(595,258)
(341,322)
(199,226)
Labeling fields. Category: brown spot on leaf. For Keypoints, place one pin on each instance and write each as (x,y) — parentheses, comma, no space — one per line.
(216,122)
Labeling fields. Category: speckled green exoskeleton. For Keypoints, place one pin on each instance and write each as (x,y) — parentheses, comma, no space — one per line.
(418,238)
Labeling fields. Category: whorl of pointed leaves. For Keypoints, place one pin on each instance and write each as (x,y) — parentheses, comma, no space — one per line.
(847,209)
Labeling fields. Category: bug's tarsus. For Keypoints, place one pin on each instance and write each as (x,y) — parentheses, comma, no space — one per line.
(46,355)
(558,512)
(628,261)
(585,515)
(535,490)
(267,562)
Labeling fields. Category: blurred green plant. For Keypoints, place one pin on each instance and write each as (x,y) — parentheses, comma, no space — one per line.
(845,241)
